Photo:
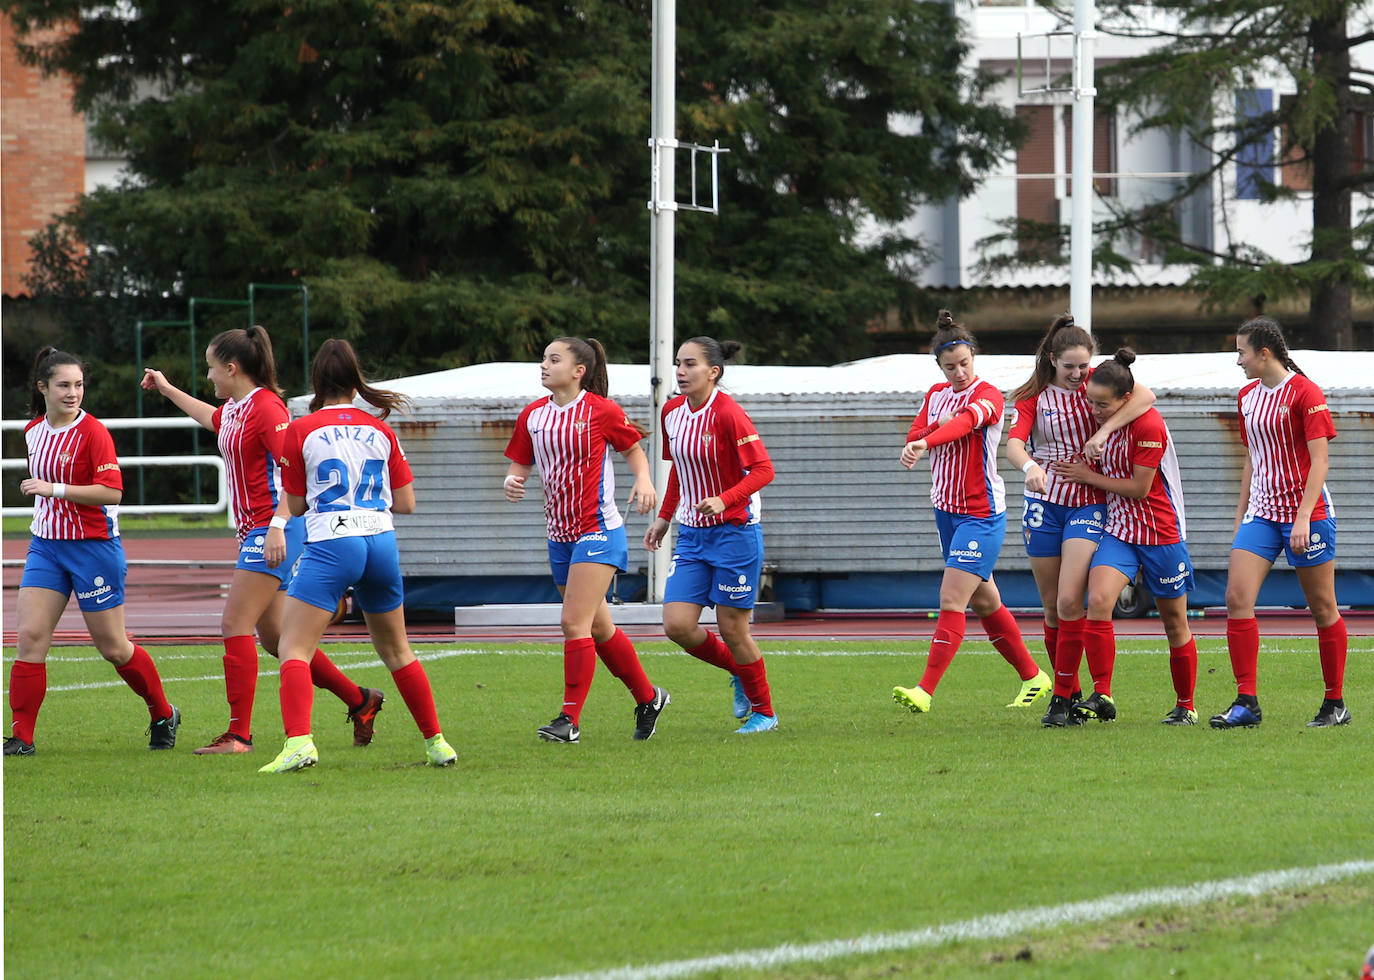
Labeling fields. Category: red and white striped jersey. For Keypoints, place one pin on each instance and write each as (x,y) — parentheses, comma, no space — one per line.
(346,463)
(1054,425)
(1158,517)
(1275,425)
(571,444)
(712,449)
(249,432)
(964,478)
(81,454)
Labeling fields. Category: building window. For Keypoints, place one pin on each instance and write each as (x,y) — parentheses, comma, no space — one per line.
(1044,162)
(1254,144)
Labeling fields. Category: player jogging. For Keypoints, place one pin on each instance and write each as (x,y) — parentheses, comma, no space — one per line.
(1138,470)
(960,422)
(1062,521)
(569,435)
(343,469)
(248,427)
(76,486)
(1283,506)
(719,467)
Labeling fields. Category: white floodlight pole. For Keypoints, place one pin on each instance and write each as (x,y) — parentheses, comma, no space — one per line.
(1081,216)
(661,257)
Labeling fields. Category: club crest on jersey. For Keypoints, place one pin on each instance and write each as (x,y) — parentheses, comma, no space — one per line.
(708,437)
(64,458)
(1283,409)
(580,425)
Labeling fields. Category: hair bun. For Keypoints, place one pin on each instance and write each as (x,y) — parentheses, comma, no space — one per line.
(944,319)
(729,348)
(1125,356)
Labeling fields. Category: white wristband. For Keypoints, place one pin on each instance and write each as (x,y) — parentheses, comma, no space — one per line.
(59,490)
(510,481)
(1026,468)
(277,521)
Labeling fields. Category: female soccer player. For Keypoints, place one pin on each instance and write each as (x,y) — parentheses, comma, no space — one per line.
(1284,506)
(344,470)
(1060,520)
(1138,470)
(569,434)
(961,424)
(75,481)
(249,427)
(719,466)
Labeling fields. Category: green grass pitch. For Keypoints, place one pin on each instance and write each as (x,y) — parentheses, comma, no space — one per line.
(530,859)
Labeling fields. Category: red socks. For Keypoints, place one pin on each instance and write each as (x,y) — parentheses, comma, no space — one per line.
(240,682)
(754,677)
(579,666)
(1099,645)
(28,685)
(949,633)
(618,654)
(1331,647)
(1068,657)
(1183,669)
(1051,644)
(141,675)
(324,675)
(413,683)
(1242,642)
(297,697)
(714,652)
(1006,637)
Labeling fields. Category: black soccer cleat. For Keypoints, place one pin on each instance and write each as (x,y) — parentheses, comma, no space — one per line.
(14,745)
(1180,716)
(561,729)
(1058,714)
(163,734)
(1097,706)
(1331,714)
(646,714)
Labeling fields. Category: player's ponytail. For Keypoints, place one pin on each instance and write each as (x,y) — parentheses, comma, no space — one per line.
(592,356)
(716,352)
(1261,332)
(949,334)
(1062,335)
(1115,375)
(49,359)
(336,375)
(251,350)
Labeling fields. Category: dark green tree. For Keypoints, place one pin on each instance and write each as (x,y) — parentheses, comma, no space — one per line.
(460,181)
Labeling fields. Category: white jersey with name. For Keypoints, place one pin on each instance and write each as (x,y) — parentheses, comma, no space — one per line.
(345,462)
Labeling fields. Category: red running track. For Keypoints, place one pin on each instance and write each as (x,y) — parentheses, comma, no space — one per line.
(180,602)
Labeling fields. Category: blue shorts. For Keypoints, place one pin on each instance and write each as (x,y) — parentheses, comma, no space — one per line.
(595,548)
(716,566)
(1267,538)
(1046,526)
(250,552)
(94,569)
(1168,569)
(971,544)
(369,563)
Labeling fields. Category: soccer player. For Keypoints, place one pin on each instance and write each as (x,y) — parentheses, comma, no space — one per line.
(76,486)
(344,470)
(569,434)
(1062,521)
(1138,470)
(960,423)
(249,427)
(1283,506)
(719,466)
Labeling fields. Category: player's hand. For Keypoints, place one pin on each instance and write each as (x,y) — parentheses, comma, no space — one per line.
(643,497)
(711,506)
(154,380)
(36,488)
(912,453)
(1300,538)
(1037,479)
(1092,449)
(274,547)
(653,537)
(514,487)
(1073,470)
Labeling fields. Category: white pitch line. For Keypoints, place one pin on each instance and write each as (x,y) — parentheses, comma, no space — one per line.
(986,927)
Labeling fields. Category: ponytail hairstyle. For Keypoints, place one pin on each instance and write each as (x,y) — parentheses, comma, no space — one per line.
(591,355)
(1115,374)
(948,334)
(49,359)
(251,350)
(1063,334)
(335,373)
(716,352)
(1262,332)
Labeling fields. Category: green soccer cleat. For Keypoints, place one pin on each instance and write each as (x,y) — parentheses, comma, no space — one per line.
(912,697)
(298,753)
(1033,690)
(438,752)
(1098,706)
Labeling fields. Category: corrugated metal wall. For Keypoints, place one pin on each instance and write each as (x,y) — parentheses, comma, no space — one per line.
(841,502)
